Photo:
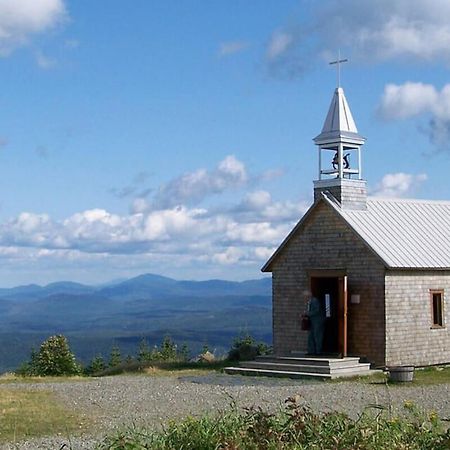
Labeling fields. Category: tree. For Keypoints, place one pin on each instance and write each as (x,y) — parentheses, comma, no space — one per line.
(54,358)
(168,349)
(97,365)
(115,357)
(144,353)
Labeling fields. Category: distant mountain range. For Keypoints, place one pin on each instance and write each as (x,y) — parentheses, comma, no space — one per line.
(96,318)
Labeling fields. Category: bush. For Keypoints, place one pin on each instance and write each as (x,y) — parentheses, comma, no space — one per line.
(54,358)
(246,348)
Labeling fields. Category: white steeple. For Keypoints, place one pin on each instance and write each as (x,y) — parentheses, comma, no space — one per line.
(339,117)
(339,122)
(339,150)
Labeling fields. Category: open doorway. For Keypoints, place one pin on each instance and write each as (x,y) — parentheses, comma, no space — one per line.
(332,294)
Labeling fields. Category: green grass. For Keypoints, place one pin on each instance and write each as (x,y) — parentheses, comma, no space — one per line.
(294,428)
(422,377)
(165,368)
(10,378)
(28,414)
(432,375)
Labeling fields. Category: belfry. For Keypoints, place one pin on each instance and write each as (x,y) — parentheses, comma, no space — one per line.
(339,155)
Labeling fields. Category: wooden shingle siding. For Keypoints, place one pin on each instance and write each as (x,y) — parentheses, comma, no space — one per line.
(410,336)
(325,241)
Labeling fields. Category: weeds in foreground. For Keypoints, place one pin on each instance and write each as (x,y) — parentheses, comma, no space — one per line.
(294,427)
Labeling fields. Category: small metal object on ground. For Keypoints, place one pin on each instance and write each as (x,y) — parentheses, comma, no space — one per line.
(401,373)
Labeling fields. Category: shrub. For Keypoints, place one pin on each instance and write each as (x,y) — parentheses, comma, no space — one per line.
(54,358)
(245,347)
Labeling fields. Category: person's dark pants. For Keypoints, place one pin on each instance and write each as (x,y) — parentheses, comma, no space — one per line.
(315,337)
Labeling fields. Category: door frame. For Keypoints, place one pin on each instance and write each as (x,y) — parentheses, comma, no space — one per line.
(341,276)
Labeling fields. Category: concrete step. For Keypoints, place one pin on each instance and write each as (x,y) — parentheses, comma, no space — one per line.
(311,361)
(289,374)
(295,367)
(273,373)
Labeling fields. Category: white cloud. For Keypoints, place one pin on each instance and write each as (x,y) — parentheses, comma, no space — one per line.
(279,43)
(399,184)
(389,29)
(232,47)
(415,99)
(231,255)
(170,238)
(259,206)
(371,31)
(43,61)
(191,188)
(20,19)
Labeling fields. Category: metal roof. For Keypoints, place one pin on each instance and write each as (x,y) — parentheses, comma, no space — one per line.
(403,233)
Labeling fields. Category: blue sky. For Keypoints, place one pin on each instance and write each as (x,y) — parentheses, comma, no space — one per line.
(176,137)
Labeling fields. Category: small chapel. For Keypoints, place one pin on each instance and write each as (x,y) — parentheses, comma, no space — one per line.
(379,267)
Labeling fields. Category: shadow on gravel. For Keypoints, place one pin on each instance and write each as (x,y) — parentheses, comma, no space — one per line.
(240,380)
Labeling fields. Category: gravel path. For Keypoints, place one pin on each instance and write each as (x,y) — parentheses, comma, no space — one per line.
(119,401)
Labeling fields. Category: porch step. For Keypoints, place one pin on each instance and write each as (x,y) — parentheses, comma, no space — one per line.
(307,368)
(298,367)
(272,373)
(311,361)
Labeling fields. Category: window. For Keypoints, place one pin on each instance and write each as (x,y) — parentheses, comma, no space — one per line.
(437,309)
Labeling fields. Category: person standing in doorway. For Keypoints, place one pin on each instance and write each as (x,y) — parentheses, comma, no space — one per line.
(317,319)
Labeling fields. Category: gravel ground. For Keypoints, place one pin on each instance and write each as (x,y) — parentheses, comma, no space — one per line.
(121,401)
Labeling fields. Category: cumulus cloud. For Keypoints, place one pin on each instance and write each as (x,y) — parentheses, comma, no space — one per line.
(416,99)
(21,19)
(371,31)
(388,29)
(399,184)
(408,100)
(191,188)
(232,47)
(259,206)
(178,234)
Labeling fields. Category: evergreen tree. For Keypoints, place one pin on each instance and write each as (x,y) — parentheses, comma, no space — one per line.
(96,365)
(144,353)
(115,357)
(168,349)
(54,358)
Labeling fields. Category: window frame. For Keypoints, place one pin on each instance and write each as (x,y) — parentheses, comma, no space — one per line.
(434,324)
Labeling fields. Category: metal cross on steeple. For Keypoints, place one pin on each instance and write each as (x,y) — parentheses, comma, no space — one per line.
(338,62)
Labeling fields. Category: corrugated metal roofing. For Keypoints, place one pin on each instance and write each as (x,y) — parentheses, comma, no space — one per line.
(404,233)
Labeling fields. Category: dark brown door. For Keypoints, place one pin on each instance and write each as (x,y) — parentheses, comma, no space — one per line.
(342,316)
